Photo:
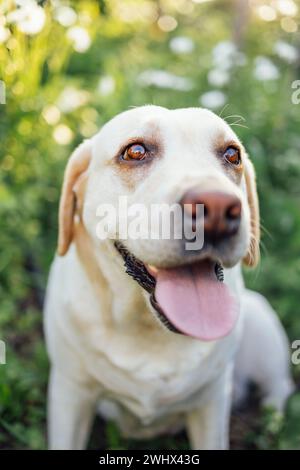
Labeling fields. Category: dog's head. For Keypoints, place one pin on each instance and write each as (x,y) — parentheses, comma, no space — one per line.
(158,156)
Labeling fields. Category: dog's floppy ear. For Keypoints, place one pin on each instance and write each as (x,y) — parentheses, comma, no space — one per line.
(253,255)
(77,164)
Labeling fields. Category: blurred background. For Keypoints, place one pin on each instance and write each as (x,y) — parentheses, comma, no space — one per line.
(67,68)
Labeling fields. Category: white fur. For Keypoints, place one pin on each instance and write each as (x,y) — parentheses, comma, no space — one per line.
(107,349)
(263,355)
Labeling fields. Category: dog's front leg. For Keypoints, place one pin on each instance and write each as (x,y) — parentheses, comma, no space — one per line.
(71,407)
(208,425)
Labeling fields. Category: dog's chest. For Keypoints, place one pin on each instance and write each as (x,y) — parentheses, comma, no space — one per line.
(151,380)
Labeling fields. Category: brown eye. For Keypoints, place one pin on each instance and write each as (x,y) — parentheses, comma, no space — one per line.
(134,152)
(232,155)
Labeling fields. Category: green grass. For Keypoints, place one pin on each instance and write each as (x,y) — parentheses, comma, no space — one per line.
(37,70)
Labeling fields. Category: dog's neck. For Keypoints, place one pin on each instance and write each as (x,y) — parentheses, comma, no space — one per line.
(104,267)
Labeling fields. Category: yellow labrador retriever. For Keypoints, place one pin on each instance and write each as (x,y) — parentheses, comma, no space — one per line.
(144,330)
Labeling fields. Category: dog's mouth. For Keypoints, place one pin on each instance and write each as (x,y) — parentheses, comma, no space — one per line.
(190,299)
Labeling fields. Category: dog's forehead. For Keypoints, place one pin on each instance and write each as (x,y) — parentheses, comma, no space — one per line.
(162,123)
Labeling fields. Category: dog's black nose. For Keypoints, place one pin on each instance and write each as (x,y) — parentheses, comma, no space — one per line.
(222,212)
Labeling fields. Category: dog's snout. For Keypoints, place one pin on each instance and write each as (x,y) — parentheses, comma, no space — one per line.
(222,211)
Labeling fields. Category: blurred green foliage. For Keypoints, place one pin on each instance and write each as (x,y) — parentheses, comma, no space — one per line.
(70,66)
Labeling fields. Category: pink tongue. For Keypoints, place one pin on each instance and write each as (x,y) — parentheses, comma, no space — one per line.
(195,302)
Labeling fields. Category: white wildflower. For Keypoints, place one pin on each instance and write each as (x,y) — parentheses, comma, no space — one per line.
(181,45)
(106,85)
(29,17)
(65,15)
(265,69)
(213,99)
(162,79)
(218,77)
(71,98)
(80,38)
(286,51)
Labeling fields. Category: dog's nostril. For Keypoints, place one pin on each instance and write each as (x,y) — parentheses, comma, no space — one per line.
(234,212)
(221,212)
